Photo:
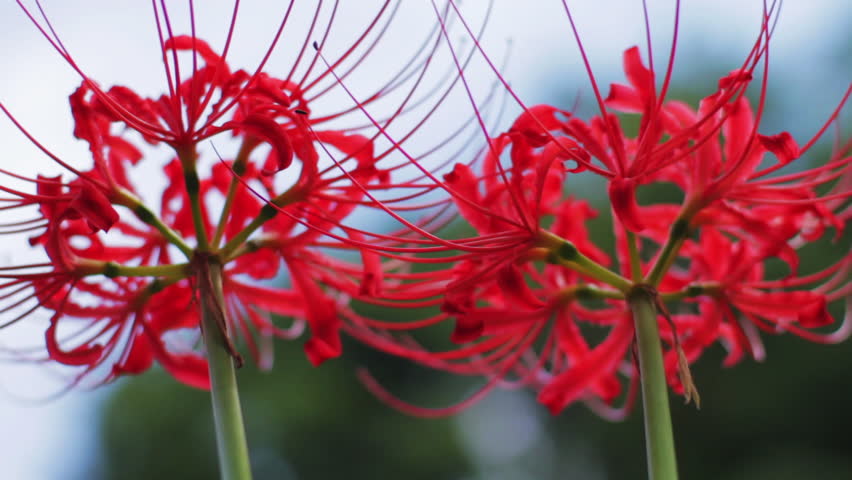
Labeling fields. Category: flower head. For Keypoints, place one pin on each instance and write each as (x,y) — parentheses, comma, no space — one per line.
(121,269)
(535,302)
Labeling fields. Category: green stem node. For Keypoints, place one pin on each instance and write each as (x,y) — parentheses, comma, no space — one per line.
(565,253)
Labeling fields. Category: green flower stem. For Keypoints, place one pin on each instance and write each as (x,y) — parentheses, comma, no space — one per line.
(678,234)
(187,158)
(267,213)
(157,285)
(113,269)
(562,252)
(239,168)
(567,255)
(226,212)
(659,439)
(227,416)
(586,291)
(253,245)
(143,213)
(635,260)
(591,291)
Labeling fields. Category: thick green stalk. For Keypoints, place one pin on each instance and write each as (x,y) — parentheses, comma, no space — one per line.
(227,416)
(659,438)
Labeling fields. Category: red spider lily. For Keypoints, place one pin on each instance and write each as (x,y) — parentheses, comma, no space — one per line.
(118,302)
(671,133)
(518,295)
(631,162)
(674,137)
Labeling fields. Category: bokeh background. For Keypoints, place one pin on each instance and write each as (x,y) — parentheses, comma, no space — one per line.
(787,418)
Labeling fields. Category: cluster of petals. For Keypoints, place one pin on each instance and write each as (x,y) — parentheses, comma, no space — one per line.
(533,312)
(120,280)
(525,297)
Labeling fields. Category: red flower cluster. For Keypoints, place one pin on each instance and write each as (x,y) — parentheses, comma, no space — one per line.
(119,280)
(531,300)
(535,302)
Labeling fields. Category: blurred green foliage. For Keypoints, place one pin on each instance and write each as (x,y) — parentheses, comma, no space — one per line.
(301,421)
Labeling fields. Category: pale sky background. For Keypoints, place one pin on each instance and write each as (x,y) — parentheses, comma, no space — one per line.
(113,41)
